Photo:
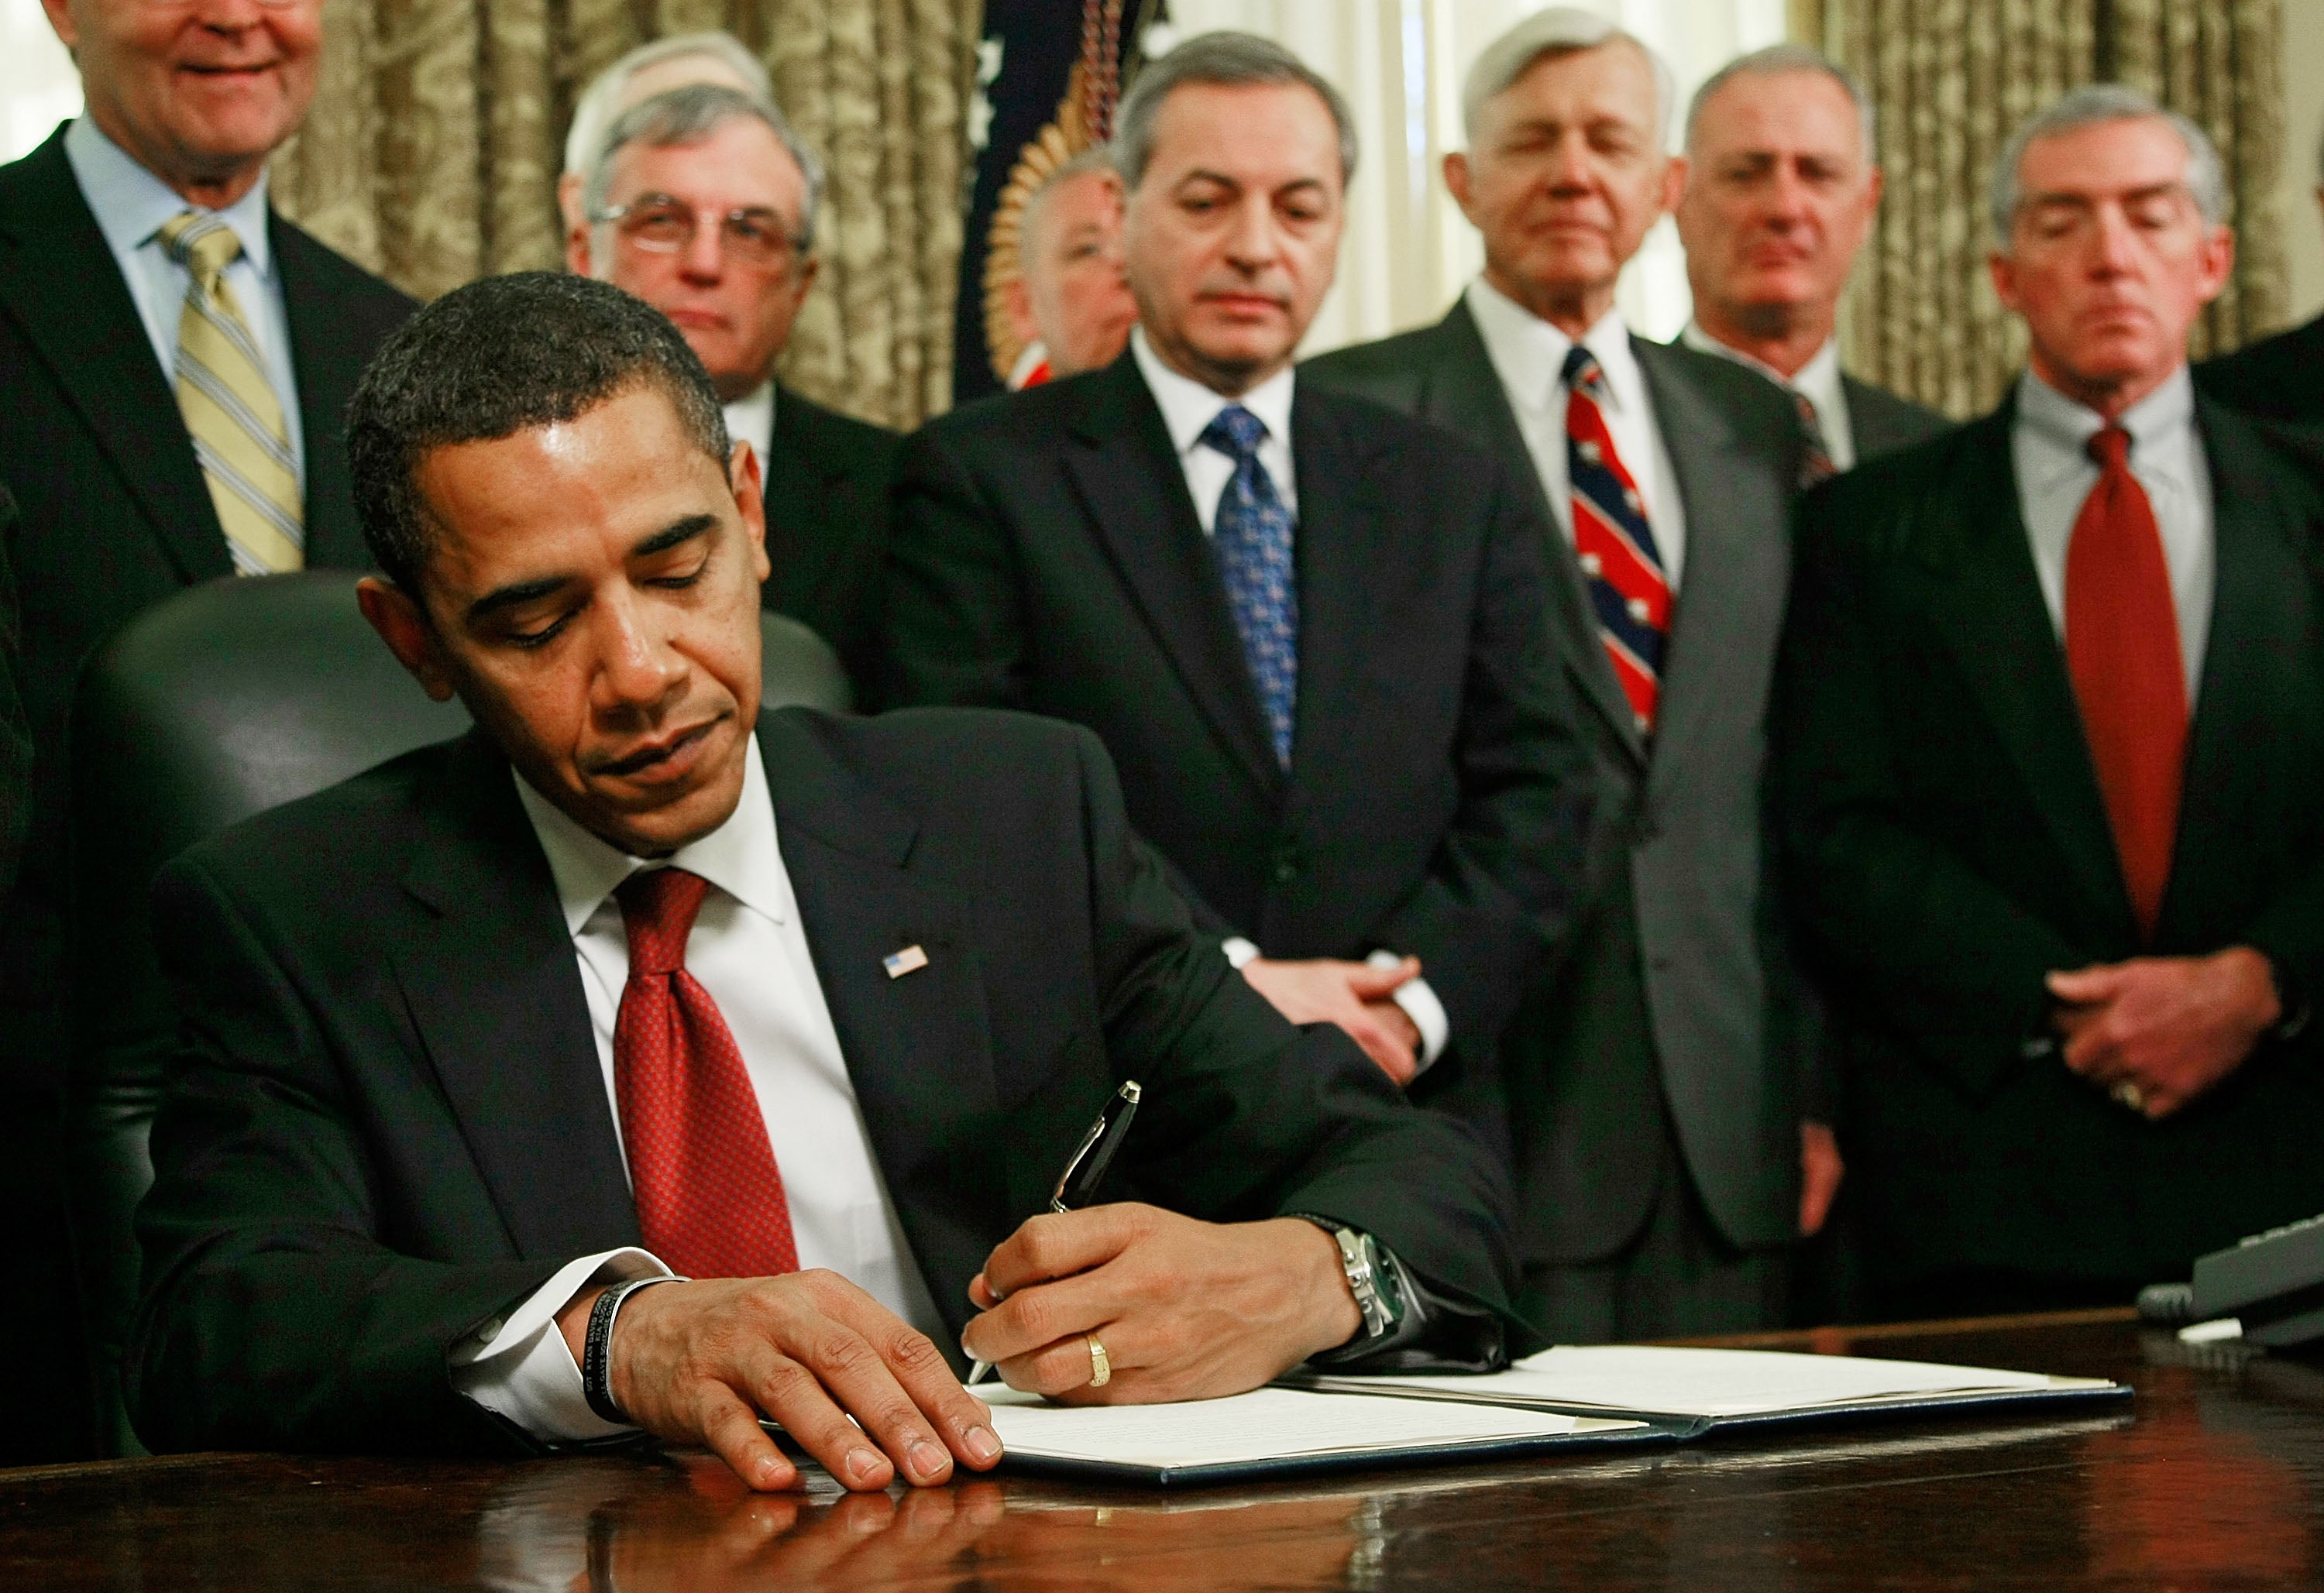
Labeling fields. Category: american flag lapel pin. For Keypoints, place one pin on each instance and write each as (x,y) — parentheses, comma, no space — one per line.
(910,960)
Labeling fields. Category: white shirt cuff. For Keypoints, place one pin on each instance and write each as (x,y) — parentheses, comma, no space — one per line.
(1238,950)
(519,1366)
(1420,1005)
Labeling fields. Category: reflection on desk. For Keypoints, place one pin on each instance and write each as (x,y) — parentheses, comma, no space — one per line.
(2215,1477)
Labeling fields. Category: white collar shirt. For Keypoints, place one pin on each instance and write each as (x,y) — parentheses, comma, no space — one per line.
(749,950)
(1188,408)
(1818,382)
(2049,448)
(131,205)
(751,418)
(1528,354)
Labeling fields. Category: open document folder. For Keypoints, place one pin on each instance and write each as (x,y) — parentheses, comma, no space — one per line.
(1280,1432)
(1695,1391)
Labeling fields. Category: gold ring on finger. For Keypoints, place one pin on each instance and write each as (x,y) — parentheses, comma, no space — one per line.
(1100,1369)
(2129,1095)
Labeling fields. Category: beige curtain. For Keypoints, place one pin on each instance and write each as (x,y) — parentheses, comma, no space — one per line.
(1952,78)
(432,151)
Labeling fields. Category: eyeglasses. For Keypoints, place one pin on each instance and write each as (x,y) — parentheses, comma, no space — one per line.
(756,235)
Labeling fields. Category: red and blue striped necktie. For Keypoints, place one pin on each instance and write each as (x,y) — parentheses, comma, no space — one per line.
(1628,591)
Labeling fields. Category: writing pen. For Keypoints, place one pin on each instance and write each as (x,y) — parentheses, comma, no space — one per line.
(1077,1184)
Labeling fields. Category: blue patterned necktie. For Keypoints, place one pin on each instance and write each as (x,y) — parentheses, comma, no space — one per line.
(1252,534)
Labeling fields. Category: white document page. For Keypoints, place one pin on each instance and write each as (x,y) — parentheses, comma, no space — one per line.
(1265,1424)
(1710,1383)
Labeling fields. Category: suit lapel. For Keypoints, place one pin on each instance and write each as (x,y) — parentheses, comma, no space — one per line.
(795,501)
(1465,396)
(2256,632)
(493,987)
(327,370)
(1988,606)
(1339,550)
(1132,488)
(59,280)
(918,1047)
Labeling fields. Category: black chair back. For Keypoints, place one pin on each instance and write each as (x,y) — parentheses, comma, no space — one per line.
(228,699)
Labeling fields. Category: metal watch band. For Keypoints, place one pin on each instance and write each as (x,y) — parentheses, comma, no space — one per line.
(596,1350)
(1375,1294)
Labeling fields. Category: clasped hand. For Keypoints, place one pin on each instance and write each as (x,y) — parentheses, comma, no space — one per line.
(1186,1309)
(1356,995)
(2171,1026)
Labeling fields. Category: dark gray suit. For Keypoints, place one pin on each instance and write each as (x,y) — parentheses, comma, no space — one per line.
(1881,422)
(1668,1038)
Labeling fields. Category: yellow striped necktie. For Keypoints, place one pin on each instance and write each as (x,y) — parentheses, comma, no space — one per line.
(232,411)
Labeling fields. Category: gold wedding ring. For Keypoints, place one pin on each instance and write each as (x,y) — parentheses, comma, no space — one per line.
(1100,1369)
(2128,1094)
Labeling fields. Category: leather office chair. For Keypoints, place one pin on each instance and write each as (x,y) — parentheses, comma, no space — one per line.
(229,699)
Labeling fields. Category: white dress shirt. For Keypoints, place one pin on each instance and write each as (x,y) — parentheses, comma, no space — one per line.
(749,950)
(751,418)
(1818,382)
(1528,354)
(1188,408)
(132,206)
(2049,448)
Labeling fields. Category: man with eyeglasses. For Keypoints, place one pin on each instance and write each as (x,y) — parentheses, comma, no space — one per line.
(702,203)
(175,358)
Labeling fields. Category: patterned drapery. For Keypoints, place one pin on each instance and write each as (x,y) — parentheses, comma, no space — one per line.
(432,150)
(1952,79)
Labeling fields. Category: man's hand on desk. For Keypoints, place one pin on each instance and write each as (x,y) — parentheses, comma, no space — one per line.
(2170,1027)
(1186,1310)
(1356,995)
(700,1362)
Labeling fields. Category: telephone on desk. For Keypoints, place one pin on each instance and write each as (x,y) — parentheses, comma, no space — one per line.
(2272,1282)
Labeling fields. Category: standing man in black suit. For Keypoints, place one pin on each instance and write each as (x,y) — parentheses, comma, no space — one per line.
(1652,1084)
(1311,631)
(2279,377)
(634,979)
(2052,768)
(1780,191)
(176,358)
(702,203)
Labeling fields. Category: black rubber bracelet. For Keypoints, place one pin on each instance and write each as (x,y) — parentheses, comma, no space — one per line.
(596,1351)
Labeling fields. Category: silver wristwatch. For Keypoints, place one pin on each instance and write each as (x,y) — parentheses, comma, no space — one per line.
(1368,1279)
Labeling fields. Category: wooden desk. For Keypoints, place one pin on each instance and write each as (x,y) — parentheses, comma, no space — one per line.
(2214,1478)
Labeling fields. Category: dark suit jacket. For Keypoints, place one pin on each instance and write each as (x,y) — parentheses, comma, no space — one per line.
(115,512)
(1881,422)
(1047,556)
(388,1122)
(1948,847)
(16,739)
(828,479)
(2279,377)
(1678,988)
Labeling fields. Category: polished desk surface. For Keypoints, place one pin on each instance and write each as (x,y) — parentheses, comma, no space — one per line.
(2213,1477)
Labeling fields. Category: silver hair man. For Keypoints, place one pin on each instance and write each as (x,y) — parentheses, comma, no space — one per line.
(1774,61)
(645,71)
(2207,180)
(689,116)
(1560,30)
(1228,59)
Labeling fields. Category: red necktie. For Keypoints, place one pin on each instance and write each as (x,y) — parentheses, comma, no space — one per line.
(2122,649)
(710,1202)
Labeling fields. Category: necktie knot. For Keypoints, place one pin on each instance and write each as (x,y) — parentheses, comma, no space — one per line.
(657,909)
(1235,432)
(2111,449)
(1581,371)
(203,244)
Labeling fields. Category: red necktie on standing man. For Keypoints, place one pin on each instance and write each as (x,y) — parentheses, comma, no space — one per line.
(2129,676)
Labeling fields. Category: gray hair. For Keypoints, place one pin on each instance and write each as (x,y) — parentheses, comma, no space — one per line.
(1561,30)
(1087,163)
(2087,106)
(1774,61)
(1227,58)
(600,102)
(689,116)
